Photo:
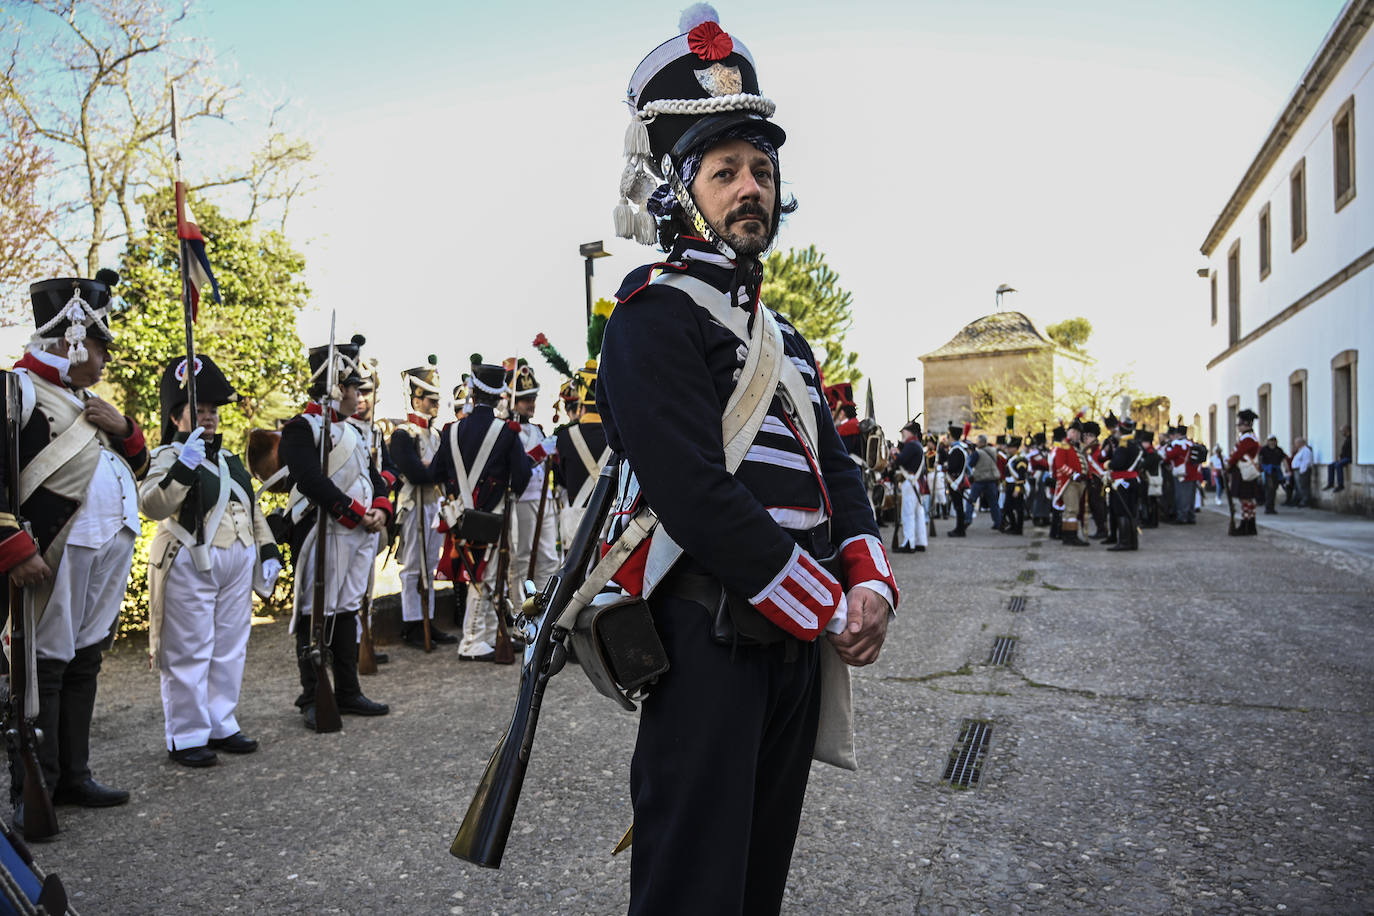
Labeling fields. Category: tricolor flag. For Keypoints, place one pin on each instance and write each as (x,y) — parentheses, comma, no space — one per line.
(193,257)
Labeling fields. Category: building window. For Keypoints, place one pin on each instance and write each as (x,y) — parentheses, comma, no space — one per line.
(1264,241)
(1214,297)
(1297,404)
(1343,147)
(1297,203)
(1343,400)
(1232,408)
(1233,293)
(1262,408)
(1212,425)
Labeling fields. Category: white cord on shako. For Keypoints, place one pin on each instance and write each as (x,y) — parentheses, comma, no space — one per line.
(79,312)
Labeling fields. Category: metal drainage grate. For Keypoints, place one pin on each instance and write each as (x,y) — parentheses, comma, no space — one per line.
(1002,647)
(1017,604)
(1032,556)
(1026,575)
(966,759)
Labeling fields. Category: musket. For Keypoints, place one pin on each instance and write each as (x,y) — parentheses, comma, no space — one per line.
(505,653)
(423,583)
(326,706)
(367,657)
(188,318)
(482,836)
(23,738)
(539,516)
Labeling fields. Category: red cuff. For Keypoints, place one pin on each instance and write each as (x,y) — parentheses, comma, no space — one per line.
(350,516)
(134,442)
(865,560)
(15,549)
(381,502)
(537,454)
(390,479)
(802,598)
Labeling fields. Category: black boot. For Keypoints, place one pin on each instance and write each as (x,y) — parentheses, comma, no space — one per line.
(343,645)
(75,785)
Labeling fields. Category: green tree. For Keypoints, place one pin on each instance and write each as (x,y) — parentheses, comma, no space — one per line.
(251,335)
(801,287)
(1072,333)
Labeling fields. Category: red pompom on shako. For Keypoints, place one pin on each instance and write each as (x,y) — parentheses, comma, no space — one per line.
(710,42)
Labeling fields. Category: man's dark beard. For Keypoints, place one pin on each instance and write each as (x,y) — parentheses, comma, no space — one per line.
(748,245)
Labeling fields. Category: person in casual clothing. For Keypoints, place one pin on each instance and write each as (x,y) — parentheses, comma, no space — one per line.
(1335,471)
(1218,463)
(1271,461)
(986,482)
(1301,463)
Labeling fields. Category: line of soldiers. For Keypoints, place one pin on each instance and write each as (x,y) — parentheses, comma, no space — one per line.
(85,472)
(1120,481)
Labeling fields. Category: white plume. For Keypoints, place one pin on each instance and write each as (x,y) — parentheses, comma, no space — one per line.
(695,15)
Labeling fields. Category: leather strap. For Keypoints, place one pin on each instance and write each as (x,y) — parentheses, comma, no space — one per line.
(483,453)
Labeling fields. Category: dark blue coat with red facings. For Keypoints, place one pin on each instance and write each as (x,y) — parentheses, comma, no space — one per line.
(667,369)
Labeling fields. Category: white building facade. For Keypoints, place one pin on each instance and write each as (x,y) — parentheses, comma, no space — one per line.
(1291,292)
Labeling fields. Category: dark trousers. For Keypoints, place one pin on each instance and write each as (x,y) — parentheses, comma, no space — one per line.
(1097,504)
(66,704)
(1124,512)
(1148,507)
(719,770)
(1168,499)
(960,509)
(1271,489)
(341,636)
(1013,509)
(984,493)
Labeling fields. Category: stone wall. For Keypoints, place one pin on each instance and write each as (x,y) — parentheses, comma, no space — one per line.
(1356,499)
(946,390)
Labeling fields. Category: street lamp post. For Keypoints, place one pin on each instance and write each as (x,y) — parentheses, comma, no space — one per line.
(590,251)
(908,398)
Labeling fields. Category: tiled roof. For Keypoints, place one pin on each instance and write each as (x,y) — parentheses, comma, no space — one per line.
(999,332)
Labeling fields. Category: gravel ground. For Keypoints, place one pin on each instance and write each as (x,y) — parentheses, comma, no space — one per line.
(1184,729)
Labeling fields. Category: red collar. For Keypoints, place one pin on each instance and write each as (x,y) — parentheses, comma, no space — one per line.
(313,410)
(422,422)
(41,369)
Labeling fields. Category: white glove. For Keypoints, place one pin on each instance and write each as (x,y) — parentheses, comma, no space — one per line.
(193,451)
(271,569)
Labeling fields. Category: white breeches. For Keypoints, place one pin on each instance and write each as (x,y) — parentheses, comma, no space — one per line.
(351,554)
(414,562)
(913,516)
(88,589)
(479,626)
(523,541)
(206,619)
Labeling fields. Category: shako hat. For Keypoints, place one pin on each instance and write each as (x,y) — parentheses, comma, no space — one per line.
(523,384)
(211,388)
(585,381)
(912,427)
(346,368)
(487,381)
(1000,440)
(1014,442)
(367,368)
(72,309)
(1038,438)
(1144,435)
(1059,433)
(836,395)
(1090,428)
(1247,416)
(422,381)
(686,91)
(1126,426)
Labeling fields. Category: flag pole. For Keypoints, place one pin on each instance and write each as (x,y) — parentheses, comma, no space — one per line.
(178,190)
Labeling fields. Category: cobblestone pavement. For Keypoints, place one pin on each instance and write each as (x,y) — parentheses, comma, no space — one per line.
(1184,729)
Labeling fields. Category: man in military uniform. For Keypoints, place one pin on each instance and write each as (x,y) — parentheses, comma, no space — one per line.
(365,419)
(581,452)
(1069,481)
(781,533)
(1244,478)
(1015,479)
(79,459)
(1124,467)
(957,478)
(1040,485)
(414,444)
(353,494)
(535,530)
(212,548)
(911,465)
(480,460)
(1187,473)
(1094,471)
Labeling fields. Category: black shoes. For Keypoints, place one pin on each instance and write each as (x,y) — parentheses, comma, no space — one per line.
(485,657)
(956,533)
(194,757)
(237,743)
(380,658)
(413,634)
(362,706)
(89,794)
(1116,547)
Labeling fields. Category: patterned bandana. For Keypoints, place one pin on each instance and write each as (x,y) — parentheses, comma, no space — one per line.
(663,204)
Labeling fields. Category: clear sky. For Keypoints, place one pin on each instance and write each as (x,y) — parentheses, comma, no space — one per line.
(1078,150)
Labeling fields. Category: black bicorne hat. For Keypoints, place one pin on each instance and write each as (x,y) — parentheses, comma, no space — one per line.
(1110,421)
(686,91)
(72,309)
(422,381)
(211,388)
(1247,416)
(346,368)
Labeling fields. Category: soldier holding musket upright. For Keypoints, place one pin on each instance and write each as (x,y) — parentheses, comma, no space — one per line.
(581,452)
(364,418)
(1124,496)
(79,459)
(212,548)
(414,444)
(352,493)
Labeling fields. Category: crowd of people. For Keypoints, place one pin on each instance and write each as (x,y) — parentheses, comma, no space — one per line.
(1089,481)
